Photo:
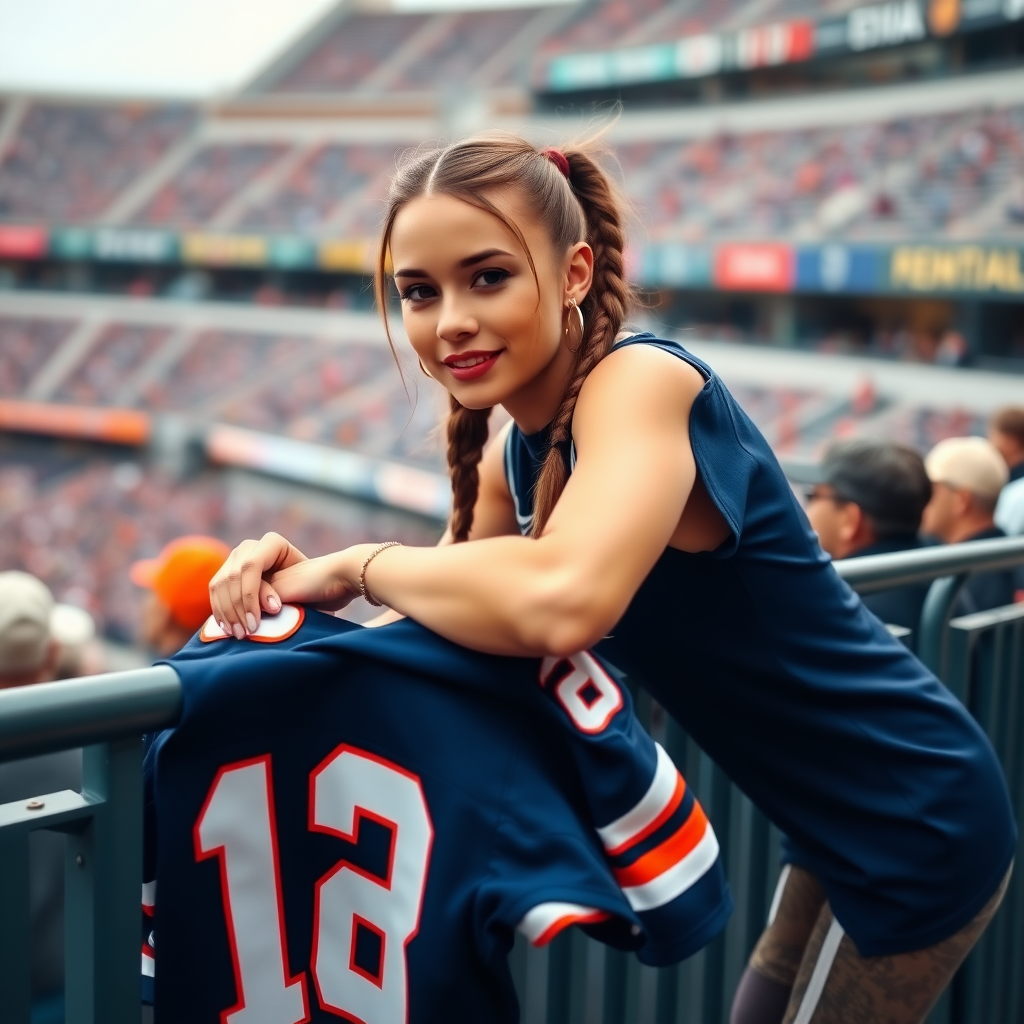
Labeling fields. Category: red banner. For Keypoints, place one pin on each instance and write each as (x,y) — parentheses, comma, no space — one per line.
(23,241)
(754,267)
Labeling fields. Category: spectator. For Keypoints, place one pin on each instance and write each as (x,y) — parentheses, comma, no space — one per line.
(177,581)
(1006,432)
(74,631)
(967,474)
(29,655)
(869,502)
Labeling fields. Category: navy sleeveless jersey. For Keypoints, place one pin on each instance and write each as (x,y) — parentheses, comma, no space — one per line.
(354,822)
(888,790)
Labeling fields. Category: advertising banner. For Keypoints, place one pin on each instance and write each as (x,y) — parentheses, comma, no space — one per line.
(224,250)
(754,267)
(992,270)
(23,241)
(354,257)
(840,268)
(674,265)
(361,476)
(71,243)
(867,27)
(135,245)
(116,426)
(289,252)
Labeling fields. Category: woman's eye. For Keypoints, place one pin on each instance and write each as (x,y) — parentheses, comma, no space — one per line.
(418,292)
(493,276)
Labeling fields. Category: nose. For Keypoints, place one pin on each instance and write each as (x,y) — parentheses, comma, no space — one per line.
(456,323)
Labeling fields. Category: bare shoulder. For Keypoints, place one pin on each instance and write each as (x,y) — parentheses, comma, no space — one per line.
(639,380)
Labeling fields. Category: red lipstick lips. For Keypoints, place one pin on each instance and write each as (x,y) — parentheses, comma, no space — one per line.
(471,365)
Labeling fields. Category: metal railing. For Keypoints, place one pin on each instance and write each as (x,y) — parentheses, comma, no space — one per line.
(106,715)
(574,980)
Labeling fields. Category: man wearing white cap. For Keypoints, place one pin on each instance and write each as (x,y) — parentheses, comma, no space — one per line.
(29,655)
(967,474)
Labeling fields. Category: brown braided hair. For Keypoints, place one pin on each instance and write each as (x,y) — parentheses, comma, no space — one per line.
(583,206)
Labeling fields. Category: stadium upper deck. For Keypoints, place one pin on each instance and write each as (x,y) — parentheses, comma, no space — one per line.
(912,188)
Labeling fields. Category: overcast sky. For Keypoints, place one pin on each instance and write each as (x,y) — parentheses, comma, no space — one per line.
(175,48)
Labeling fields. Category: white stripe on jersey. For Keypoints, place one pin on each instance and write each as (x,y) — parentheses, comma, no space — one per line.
(674,881)
(148,964)
(819,976)
(663,786)
(525,522)
(544,921)
(149,894)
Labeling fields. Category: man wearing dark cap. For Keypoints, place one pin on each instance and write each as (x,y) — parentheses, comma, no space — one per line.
(869,501)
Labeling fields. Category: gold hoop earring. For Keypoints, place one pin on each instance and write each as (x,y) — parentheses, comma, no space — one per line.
(573,307)
(423,369)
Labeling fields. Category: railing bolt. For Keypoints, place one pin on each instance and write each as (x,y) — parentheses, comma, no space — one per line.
(34,805)
(80,861)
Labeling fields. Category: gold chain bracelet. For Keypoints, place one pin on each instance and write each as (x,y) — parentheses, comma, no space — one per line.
(363,592)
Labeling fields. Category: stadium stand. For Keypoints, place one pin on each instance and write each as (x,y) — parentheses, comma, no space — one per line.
(112,360)
(134,510)
(207,181)
(942,176)
(347,57)
(25,346)
(459,51)
(322,189)
(882,180)
(69,162)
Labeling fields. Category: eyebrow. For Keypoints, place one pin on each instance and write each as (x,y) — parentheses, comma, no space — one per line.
(469,261)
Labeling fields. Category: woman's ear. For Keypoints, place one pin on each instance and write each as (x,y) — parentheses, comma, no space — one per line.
(579,272)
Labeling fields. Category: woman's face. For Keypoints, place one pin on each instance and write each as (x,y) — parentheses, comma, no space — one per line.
(479,321)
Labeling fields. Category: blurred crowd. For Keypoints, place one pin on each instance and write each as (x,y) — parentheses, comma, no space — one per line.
(79,528)
(70,162)
(876,497)
(938,176)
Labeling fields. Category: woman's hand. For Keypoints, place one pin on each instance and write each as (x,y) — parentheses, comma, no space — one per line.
(239,591)
(261,575)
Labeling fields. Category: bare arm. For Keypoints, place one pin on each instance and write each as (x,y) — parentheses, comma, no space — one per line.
(565,590)
(493,514)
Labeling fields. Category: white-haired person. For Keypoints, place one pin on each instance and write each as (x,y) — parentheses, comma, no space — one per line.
(30,654)
(967,475)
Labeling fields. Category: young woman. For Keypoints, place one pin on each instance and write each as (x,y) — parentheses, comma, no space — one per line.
(631,506)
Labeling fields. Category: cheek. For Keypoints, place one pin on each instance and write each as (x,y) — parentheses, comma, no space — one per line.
(818,515)
(932,515)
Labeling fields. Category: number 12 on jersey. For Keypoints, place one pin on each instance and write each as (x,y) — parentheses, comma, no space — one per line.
(353,909)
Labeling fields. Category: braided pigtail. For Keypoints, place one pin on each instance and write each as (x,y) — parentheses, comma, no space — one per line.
(604,310)
(467,435)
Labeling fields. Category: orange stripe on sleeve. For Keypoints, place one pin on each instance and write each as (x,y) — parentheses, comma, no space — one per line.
(667,854)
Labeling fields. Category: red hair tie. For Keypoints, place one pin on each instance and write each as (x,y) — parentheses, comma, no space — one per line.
(558,158)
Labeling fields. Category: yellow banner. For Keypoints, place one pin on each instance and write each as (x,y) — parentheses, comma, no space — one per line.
(354,256)
(224,250)
(962,268)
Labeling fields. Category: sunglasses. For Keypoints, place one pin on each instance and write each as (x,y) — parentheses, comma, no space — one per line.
(818,492)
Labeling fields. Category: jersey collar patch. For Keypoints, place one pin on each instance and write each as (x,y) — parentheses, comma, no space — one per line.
(272,628)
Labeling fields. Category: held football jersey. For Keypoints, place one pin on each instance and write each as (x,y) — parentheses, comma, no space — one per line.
(353,822)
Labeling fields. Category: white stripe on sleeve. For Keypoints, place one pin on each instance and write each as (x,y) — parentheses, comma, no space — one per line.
(653,802)
(677,879)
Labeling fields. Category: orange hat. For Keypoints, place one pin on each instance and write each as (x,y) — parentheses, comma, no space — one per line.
(180,576)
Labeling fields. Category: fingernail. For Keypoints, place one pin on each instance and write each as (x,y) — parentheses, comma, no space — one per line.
(238,631)
(224,627)
(250,621)
(273,604)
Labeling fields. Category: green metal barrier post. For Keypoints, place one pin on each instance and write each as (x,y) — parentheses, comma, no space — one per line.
(107,715)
